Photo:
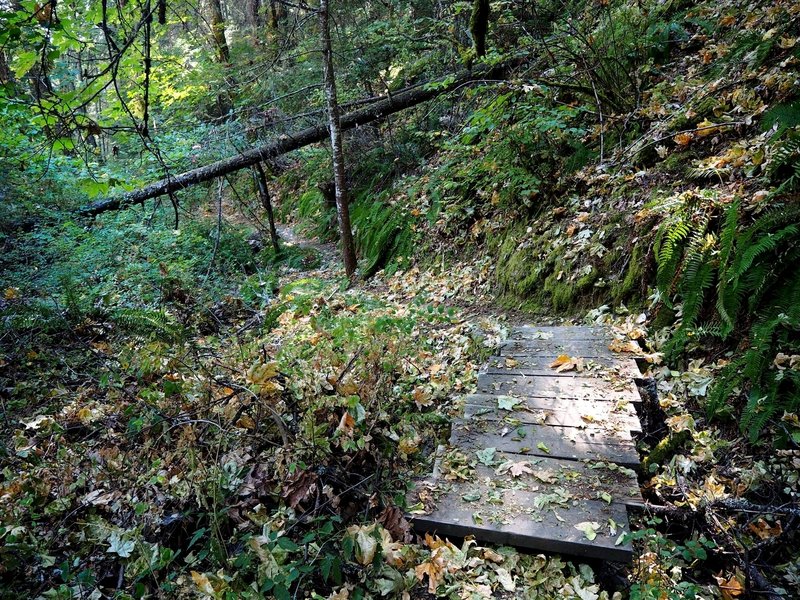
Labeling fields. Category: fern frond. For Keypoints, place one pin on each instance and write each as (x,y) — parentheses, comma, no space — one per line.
(147,322)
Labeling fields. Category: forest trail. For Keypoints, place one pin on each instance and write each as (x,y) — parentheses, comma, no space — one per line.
(551,429)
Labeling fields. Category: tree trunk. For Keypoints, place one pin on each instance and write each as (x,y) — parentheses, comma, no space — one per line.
(335,126)
(479,26)
(276,12)
(266,201)
(254,15)
(5,72)
(216,23)
(286,143)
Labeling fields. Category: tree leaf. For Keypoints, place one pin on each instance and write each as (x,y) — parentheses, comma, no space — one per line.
(589,529)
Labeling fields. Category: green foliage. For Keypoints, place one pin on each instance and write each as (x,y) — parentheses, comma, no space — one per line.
(147,322)
(382,233)
(509,154)
(757,282)
(785,164)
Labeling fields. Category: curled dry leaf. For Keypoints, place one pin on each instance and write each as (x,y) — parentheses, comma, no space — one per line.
(300,487)
(565,362)
(395,523)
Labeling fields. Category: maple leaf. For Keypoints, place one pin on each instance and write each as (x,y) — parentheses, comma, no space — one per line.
(629,346)
(434,572)
(346,424)
(518,469)
(364,543)
(589,529)
(764,530)
(202,583)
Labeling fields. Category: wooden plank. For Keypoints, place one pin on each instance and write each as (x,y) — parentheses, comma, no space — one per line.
(525,518)
(583,480)
(578,348)
(585,350)
(539,364)
(561,332)
(553,411)
(559,387)
(544,440)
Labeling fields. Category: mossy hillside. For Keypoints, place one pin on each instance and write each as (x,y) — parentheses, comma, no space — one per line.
(569,265)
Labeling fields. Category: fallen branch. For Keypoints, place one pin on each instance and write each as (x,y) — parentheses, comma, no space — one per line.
(286,143)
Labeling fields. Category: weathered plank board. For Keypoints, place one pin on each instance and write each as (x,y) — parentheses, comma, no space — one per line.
(544,440)
(527,519)
(554,411)
(539,364)
(559,332)
(577,348)
(559,387)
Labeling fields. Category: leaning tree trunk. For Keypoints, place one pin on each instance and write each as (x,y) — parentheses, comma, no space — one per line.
(388,105)
(335,126)
(266,201)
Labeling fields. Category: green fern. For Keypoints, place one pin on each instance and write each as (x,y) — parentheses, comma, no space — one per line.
(147,322)
(757,284)
(785,165)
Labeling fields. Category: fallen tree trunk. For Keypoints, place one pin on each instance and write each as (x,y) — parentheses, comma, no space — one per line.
(286,143)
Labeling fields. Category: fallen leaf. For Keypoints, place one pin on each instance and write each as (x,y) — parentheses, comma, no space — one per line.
(486,456)
(764,530)
(364,543)
(518,469)
(395,523)
(507,402)
(202,583)
(543,447)
(300,487)
(589,529)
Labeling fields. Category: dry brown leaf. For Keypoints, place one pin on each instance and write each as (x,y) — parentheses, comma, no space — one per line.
(764,530)
(731,587)
(629,346)
(300,487)
(395,523)
(202,583)
(683,139)
(518,469)
(346,424)
(434,572)
(567,363)
(246,422)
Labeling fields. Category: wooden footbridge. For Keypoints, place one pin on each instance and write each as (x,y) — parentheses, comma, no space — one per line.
(543,457)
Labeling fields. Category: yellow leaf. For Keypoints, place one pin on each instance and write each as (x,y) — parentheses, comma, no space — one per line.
(202,583)
(246,422)
(261,372)
(364,545)
(683,139)
(706,128)
(84,414)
